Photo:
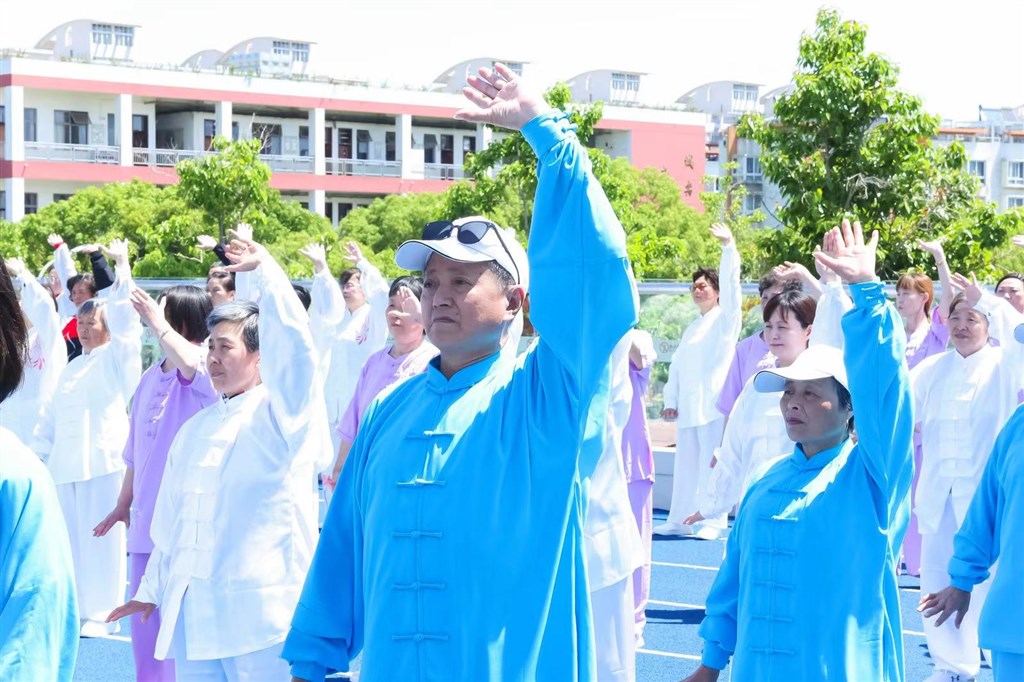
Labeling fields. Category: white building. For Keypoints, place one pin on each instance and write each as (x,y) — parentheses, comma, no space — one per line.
(995,152)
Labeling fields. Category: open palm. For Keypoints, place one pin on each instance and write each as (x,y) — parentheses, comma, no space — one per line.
(500,99)
(844,251)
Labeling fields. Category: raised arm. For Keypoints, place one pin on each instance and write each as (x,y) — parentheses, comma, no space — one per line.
(288,358)
(64,264)
(327,309)
(832,306)
(125,364)
(38,306)
(581,288)
(945,277)
(730,295)
(876,367)
(186,357)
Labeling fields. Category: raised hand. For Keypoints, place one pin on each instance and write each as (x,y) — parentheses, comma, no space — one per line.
(151,312)
(243,230)
(669,414)
(120,513)
(933,247)
(825,274)
(317,254)
(972,290)
(353,252)
(845,252)
(410,310)
(130,609)
(500,99)
(54,240)
(206,242)
(16,267)
(945,603)
(244,253)
(722,233)
(695,517)
(117,251)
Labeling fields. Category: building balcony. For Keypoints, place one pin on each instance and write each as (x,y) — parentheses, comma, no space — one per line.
(74,153)
(163,157)
(750,178)
(442,171)
(288,164)
(364,167)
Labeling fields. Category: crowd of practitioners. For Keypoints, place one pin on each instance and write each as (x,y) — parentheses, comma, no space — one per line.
(490,510)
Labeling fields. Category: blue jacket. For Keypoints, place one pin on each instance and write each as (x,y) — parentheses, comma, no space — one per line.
(453,549)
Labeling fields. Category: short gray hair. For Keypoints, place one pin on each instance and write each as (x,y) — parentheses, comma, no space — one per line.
(96,306)
(244,313)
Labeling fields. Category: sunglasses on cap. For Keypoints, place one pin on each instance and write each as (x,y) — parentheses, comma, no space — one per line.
(470,232)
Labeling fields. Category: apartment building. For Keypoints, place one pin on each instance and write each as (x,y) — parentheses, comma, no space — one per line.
(76,110)
(995,152)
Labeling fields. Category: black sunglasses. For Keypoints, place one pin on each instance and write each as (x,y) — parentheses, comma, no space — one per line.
(467,233)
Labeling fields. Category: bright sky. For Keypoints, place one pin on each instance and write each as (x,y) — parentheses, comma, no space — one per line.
(955,57)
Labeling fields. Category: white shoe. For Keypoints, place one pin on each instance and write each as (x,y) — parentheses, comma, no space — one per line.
(705,532)
(947,676)
(669,528)
(95,628)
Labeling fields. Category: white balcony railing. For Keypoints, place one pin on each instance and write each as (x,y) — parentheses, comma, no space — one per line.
(75,153)
(753,178)
(288,164)
(442,171)
(163,157)
(365,167)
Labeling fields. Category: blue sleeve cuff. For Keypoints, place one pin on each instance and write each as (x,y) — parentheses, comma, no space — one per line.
(309,671)
(714,656)
(868,294)
(961,583)
(547,130)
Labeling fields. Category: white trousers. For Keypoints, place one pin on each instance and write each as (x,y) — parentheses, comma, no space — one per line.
(951,648)
(614,631)
(265,665)
(101,570)
(695,446)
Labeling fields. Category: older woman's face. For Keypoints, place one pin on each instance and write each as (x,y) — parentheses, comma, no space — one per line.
(352,292)
(968,330)
(92,330)
(81,293)
(786,337)
(813,415)
(233,368)
(704,295)
(1012,289)
(218,294)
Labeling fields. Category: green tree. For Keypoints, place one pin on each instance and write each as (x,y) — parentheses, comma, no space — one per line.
(847,141)
(230,186)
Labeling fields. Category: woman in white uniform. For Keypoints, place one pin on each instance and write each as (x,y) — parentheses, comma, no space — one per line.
(81,435)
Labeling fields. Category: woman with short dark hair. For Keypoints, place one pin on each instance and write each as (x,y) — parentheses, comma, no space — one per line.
(169,392)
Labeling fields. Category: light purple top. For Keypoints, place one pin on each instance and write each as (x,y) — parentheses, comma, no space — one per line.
(163,402)
(934,341)
(637,456)
(749,353)
(381,371)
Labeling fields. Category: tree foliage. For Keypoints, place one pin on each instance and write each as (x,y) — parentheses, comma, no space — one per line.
(847,142)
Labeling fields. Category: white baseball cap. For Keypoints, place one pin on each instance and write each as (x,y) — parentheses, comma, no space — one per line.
(466,240)
(817,362)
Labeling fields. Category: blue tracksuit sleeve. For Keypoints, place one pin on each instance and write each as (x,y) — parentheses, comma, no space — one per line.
(882,404)
(976,544)
(581,291)
(327,628)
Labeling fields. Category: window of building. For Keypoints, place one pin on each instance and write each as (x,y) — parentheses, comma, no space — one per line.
(3,205)
(752,166)
(344,143)
(1015,173)
(140,131)
(514,67)
(344,209)
(270,135)
(468,145)
(363,140)
(111,130)
(448,149)
(430,148)
(31,203)
(328,139)
(751,202)
(71,127)
(234,131)
(1015,202)
(329,211)
(102,34)
(124,35)
(390,142)
(977,169)
(303,140)
(304,205)
(61,197)
(282,47)
(300,52)
(209,132)
(31,125)
(744,97)
(3,136)
(630,82)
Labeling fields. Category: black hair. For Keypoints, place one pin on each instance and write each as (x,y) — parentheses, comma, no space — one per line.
(709,274)
(303,294)
(13,336)
(767,282)
(348,274)
(795,304)
(1010,275)
(186,308)
(505,278)
(845,402)
(83,277)
(226,279)
(244,313)
(410,282)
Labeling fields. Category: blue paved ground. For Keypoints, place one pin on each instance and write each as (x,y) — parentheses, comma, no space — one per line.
(682,574)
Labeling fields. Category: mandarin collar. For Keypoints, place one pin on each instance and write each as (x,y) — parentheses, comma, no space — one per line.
(465,377)
(234,404)
(820,460)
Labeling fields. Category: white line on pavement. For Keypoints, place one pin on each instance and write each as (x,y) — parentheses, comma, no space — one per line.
(673,565)
(676,604)
(915,633)
(688,657)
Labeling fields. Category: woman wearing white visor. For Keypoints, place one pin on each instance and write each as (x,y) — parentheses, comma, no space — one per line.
(831,502)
